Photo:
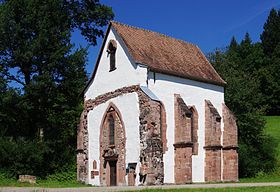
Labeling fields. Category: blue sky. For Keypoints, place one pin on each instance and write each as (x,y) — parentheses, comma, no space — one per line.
(208,24)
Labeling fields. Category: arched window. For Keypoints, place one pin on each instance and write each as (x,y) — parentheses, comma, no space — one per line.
(111,49)
(111,122)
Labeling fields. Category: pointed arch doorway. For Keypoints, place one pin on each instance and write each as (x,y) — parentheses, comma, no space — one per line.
(112,148)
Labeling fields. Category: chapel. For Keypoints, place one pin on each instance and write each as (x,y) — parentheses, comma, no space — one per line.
(154,113)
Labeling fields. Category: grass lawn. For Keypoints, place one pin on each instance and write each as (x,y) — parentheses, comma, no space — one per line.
(272,128)
(239,189)
(41,183)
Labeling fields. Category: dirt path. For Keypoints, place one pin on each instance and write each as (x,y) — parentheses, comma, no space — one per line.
(126,188)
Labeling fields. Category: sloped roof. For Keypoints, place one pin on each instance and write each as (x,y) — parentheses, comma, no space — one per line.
(167,55)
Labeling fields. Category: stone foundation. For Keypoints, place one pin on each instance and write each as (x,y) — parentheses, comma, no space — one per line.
(230,162)
(213,164)
(183,164)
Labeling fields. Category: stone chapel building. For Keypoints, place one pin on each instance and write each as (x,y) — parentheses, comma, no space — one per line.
(154,113)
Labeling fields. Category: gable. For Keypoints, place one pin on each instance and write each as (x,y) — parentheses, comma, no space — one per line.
(155,52)
(104,79)
(167,55)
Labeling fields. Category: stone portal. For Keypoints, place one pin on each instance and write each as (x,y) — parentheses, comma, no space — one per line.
(112,148)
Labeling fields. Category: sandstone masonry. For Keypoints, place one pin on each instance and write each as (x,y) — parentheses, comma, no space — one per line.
(152,129)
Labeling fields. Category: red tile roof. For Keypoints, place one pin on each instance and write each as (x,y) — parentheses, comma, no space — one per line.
(167,55)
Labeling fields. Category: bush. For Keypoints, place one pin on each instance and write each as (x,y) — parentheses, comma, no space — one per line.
(67,175)
(22,157)
(255,160)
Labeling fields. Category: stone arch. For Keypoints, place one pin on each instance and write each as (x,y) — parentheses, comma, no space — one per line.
(112,156)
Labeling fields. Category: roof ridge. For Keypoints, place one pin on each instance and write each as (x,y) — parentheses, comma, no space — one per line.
(164,35)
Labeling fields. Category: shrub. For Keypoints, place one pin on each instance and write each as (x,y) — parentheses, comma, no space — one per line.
(22,157)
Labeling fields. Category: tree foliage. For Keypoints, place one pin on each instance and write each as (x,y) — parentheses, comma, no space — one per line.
(245,68)
(270,41)
(47,74)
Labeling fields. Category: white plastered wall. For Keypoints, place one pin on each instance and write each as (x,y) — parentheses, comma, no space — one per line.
(193,93)
(129,109)
(127,73)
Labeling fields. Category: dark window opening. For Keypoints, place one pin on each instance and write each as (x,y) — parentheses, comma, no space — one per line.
(111,122)
(112,47)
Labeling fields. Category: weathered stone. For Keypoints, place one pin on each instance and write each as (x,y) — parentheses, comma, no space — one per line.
(230,165)
(212,143)
(230,155)
(212,125)
(27,179)
(184,140)
(230,128)
(115,152)
(151,146)
(213,165)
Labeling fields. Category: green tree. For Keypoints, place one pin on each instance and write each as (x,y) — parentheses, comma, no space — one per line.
(269,76)
(238,66)
(270,37)
(37,57)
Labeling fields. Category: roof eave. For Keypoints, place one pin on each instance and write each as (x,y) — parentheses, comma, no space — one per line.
(185,76)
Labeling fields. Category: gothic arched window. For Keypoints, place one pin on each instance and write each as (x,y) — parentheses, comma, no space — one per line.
(111,49)
(111,122)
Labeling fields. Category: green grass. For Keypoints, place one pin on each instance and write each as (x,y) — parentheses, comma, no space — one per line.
(272,128)
(41,183)
(239,189)
(270,177)
(56,180)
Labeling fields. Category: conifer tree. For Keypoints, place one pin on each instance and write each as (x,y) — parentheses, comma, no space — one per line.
(270,37)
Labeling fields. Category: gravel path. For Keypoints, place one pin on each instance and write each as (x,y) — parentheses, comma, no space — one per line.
(127,188)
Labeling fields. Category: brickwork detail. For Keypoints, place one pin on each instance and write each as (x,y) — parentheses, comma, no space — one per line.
(92,103)
(151,150)
(212,143)
(82,151)
(183,122)
(152,130)
(183,165)
(213,165)
(163,128)
(82,132)
(230,128)
(212,125)
(183,145)
(230,145)
(230,162)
